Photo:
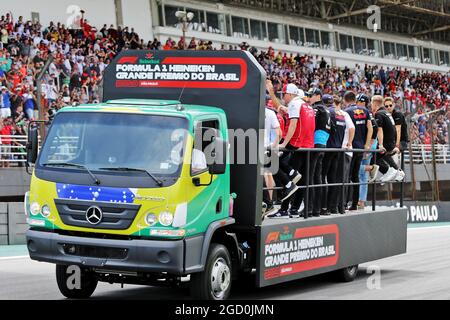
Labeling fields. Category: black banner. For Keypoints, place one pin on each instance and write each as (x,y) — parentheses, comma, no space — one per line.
(293,249)
(422,211)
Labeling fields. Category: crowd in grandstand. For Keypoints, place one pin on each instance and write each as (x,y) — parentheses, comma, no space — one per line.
(80,57)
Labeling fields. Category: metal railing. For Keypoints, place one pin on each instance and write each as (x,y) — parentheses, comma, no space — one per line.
(421,153)
(13,149)
(344,183)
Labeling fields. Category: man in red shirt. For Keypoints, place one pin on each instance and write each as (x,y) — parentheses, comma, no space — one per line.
(303,116)
(286,174)
(300,134)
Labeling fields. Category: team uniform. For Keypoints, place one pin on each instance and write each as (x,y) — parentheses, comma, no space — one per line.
(367,158)
(303,137)
(386,122)
(360,117)
(399,119)
(321,136)
(335,164)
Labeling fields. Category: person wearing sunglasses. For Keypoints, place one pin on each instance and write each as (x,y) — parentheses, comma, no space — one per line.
(387,135)
(400,124)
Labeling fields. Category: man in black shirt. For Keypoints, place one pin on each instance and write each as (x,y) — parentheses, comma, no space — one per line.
(387,136)
(363,134)
(400,124)
(366,168)
(321,135)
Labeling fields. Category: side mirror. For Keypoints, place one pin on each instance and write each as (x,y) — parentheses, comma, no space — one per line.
(218,164)
(32,144)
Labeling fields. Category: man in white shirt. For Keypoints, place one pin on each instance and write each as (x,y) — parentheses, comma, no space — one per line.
(271,124)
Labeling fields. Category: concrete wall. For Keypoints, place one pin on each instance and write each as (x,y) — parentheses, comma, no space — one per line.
(13,225)
(137,14)
(3,223)
(14,182)
(17,225)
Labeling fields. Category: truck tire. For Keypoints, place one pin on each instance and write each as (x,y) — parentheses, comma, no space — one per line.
(214,283)
(347,274)
(87,283)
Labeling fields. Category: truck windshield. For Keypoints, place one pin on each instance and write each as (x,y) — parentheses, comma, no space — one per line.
(103,141)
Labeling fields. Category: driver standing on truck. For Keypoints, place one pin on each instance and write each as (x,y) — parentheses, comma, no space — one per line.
(271,125)
(300,134)
(286,174)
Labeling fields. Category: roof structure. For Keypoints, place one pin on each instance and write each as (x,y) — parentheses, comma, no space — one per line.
(423,19)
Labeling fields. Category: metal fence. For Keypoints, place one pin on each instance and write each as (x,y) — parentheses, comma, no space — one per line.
(341,187)
(422,153)
(15,152)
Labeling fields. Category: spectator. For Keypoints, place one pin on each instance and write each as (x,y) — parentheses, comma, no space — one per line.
(5,103)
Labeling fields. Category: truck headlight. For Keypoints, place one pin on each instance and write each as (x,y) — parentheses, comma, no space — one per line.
(45,210)
(151,219)
(166,218)
(26,203)
(35,208)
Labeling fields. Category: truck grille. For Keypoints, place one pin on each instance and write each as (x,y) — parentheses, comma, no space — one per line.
(95,252)
(115,216)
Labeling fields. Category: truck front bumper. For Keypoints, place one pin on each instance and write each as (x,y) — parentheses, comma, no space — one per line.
(127,255)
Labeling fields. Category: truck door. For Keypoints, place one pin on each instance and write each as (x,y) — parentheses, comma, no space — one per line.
(208,198)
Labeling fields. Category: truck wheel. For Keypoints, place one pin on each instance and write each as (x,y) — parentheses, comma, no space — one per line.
(347,274)
(214,283)
(67,283)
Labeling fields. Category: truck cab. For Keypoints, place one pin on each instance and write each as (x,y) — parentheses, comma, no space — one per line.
(130,187)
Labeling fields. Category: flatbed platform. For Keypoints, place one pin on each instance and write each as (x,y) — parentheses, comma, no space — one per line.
(294,248)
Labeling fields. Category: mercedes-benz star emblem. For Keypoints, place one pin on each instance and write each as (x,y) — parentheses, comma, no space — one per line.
(94,215)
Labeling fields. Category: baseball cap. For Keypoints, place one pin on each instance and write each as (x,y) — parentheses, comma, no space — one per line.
(327,99)
(290,88)
(362,98)
(313,91)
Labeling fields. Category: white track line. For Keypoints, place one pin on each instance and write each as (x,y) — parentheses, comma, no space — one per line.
(428,227)
(13,257)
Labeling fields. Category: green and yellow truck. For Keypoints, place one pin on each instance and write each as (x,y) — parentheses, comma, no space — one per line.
(130,191)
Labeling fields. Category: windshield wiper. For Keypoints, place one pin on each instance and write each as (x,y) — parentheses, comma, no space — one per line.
(158,182)
(69,164)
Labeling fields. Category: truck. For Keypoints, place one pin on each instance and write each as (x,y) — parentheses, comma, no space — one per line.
(127,190)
